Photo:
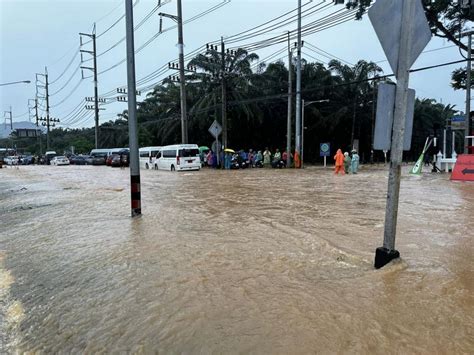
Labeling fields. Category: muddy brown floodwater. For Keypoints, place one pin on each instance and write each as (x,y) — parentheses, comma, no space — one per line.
(255,261)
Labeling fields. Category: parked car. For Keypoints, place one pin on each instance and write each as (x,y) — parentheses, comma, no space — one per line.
(109,159)
(59,160)
(98,160)
(116,160)
(26,160)
(79,159)
(11,160)
(48,156)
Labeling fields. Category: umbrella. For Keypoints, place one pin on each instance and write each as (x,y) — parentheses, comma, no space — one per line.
(203,148)
(228,150)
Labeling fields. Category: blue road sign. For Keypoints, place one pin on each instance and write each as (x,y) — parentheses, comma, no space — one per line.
(324,149)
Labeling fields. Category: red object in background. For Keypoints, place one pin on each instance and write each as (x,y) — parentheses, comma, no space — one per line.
(464,168)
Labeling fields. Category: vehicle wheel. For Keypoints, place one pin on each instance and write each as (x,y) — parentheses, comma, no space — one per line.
(156,167)
(146,166)
(172,168)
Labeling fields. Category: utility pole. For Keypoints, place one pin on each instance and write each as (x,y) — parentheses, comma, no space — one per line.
(94,70)
(182,78)
(46,97)
(224,96)
(11,118)
(290,100)
(353,122)
(48,141)
(467,121)
(298,86)
(36,110)
(37,123)
(184,118)
(388,252)
(132,114)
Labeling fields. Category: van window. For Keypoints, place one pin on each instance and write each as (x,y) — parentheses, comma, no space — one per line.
(185,153)
(154,153)
(169,154)
(144,154)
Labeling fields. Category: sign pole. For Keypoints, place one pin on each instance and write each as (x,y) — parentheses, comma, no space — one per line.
(324,161)
(217,149)
(385,254)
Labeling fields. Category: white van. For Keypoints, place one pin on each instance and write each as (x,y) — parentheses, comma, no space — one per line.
(148,156)
(179,157)
(105,152)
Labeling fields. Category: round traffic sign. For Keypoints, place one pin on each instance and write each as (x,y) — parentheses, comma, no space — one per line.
(324,147)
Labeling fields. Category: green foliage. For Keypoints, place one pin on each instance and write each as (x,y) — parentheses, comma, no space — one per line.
(458,79)
(257,109)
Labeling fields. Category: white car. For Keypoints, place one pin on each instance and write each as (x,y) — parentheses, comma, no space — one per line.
(11,160)
(59,160)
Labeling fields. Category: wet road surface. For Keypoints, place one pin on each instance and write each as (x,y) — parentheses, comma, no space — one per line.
(255,261)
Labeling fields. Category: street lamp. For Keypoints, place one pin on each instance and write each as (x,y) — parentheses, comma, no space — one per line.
(304,104)
(16,82)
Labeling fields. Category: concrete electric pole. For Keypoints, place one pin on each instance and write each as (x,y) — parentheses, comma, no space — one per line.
(135,188)
(94,70)
(290,101)
(298,87)
(182,78)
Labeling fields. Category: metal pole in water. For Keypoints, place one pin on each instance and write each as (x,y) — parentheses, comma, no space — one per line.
(132,113)
(302,133)
(290,99)
(467,118)
(298,87)
(385,254)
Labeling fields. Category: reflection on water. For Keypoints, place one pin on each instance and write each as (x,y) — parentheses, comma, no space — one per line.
(258,261)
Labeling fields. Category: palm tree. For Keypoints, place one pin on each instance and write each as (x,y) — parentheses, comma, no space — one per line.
(205,86)
(354,88)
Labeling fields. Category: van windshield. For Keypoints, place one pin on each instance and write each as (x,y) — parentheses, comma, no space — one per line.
(185,153)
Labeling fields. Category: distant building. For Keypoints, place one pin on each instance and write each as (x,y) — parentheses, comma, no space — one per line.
(24,129)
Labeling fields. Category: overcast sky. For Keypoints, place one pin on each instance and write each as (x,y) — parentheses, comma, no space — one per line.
(35,34)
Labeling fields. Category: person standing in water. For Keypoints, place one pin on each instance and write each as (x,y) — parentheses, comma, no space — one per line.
(354,162)
(267,158)
(347,162)
(339,165)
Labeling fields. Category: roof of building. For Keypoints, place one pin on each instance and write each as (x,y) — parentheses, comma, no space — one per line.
(5,129)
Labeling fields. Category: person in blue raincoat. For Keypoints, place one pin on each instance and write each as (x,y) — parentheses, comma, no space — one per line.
(227,160)
(354,162)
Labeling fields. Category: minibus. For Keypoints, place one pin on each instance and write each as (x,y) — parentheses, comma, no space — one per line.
(148,156)
(179,157)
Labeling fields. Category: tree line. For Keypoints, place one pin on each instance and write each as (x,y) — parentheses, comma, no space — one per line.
(257,107)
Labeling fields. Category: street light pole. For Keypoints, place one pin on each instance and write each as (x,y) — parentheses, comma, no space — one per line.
(303,105)
(16,82)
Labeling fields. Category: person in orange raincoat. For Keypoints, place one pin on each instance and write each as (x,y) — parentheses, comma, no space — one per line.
(339,158)
(297,160)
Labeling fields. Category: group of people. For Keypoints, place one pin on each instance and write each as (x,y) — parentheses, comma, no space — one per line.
(345,163)
(229,159)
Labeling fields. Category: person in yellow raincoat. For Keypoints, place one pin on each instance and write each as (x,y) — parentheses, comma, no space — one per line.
(339,166)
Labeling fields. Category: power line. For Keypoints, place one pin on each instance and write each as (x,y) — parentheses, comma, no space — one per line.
(67,67)
(328,55)
(69,95)
(156,35)
(67,82)
(316,59)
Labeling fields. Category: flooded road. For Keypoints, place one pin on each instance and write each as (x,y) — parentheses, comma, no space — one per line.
(254,261)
